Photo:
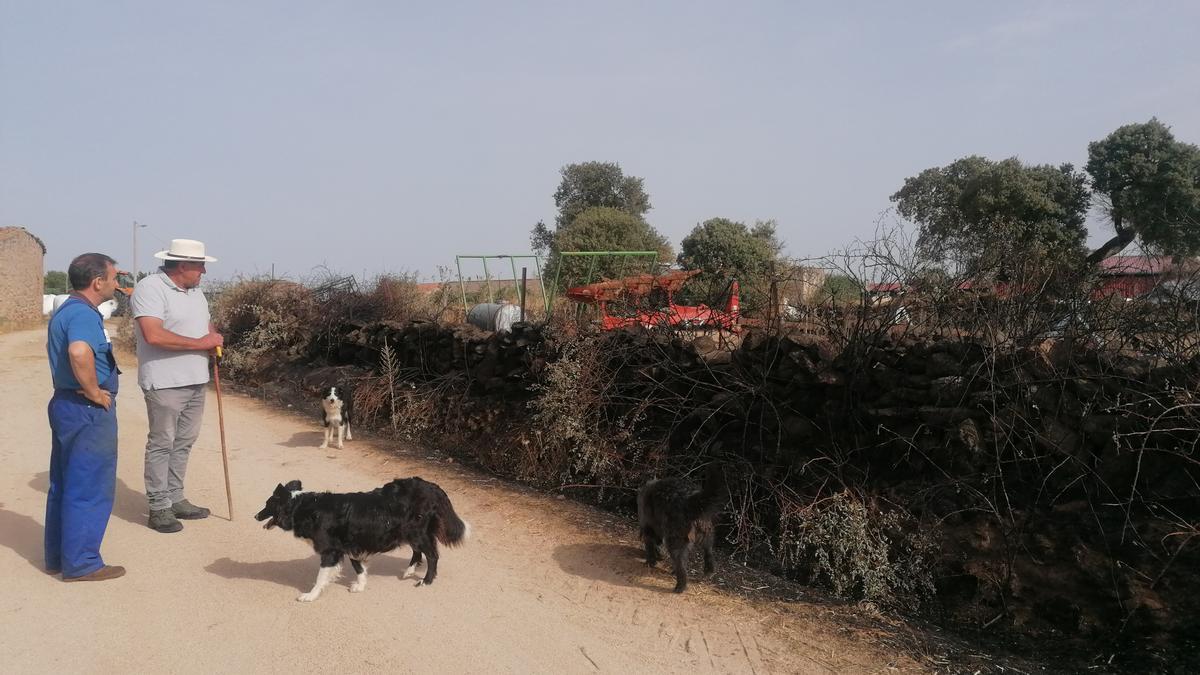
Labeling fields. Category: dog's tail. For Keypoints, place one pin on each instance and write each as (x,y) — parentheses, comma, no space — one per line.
(713,494)
(451,530)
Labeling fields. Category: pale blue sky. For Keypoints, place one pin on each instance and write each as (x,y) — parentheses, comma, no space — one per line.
(389,136)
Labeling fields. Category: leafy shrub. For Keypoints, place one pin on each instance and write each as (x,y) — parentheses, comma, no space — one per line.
(855,551)
(265,322)
(567,413)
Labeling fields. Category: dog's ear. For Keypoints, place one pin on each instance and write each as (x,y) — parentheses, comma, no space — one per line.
(292,486)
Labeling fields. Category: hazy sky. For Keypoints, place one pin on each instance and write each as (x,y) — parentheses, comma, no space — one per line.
(390,136)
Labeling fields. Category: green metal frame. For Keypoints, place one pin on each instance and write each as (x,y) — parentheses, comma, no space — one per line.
(596,255)
(537,261)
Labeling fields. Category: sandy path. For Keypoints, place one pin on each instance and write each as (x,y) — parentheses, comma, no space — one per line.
(535,590)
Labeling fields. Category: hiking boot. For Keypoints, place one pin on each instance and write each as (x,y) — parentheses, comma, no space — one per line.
(163,520)
(102,574)
(188,511)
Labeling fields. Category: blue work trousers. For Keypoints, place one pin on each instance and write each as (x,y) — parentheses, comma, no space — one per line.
(83,475)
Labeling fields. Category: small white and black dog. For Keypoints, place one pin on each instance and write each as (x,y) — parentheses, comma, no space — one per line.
(336,406)
(679,513)
(359,525)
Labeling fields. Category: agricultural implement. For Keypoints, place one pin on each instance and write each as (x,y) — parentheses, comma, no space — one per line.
(648,300)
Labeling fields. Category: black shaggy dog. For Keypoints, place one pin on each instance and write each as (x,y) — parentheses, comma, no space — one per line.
(359,525)
(680,513)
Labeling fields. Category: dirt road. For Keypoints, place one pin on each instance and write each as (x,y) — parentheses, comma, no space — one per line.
(539,588)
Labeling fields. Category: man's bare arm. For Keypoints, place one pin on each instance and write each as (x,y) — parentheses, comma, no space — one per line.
(83,365)
(156,335)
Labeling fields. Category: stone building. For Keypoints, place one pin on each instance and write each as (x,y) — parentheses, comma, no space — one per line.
(21,276)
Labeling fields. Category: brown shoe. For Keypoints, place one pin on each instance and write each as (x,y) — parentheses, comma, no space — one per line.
(102,574)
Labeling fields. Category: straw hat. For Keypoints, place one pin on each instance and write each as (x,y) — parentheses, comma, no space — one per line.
(188,250)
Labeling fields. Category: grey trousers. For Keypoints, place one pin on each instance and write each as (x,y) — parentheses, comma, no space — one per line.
(174,416)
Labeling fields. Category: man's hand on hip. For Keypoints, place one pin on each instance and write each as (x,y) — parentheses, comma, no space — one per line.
(101,397)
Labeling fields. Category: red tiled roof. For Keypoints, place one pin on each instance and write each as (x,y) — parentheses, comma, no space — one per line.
(1113,266)
(1130,265)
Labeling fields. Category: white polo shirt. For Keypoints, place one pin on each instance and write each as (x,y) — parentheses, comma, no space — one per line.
(183,312)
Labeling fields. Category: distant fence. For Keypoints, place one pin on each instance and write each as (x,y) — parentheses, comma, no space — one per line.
(336,286)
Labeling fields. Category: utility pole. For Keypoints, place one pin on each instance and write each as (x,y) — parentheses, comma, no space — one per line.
(523,280)
(136,226)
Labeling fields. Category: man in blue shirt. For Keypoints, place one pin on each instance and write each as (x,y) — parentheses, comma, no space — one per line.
(83,425)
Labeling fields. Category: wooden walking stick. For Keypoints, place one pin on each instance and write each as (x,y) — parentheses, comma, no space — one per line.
(221,423)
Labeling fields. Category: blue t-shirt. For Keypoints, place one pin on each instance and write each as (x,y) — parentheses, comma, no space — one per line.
(77,321)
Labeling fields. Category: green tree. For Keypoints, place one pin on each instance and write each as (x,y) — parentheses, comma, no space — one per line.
(1151,185)
(982,213)
(841,289)
(55,282)
(724,248)
(587,185)
(541,238)
(766,230)
(604,228)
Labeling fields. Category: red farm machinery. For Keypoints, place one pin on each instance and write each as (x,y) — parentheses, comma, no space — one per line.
(648,300)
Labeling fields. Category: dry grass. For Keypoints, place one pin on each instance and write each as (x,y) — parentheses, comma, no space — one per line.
(123,337)
(265,322)
(7,326)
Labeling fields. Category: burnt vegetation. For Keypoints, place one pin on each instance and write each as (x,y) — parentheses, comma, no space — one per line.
(1012,459)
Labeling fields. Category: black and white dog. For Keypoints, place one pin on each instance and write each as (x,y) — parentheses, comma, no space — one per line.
(680,513)
(336,406)
(358,525)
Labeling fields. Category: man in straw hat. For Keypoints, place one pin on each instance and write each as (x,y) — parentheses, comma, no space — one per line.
(174,336)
